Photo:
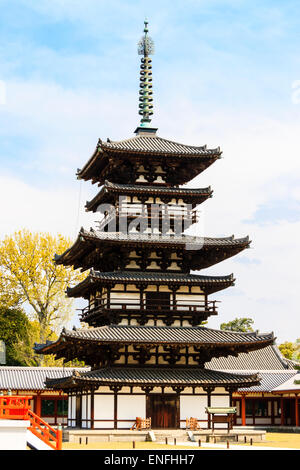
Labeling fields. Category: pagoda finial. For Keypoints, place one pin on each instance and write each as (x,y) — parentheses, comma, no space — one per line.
(146,48)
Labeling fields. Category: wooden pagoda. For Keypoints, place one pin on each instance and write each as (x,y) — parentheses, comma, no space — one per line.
(142,333)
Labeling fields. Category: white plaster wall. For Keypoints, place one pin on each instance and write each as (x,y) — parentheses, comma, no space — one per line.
(186,299)
(130,407)
(13,434)
(125,298)
(220,401)
(192,406)
(104,410)
(83,410)
(86,411)
(217,400)
(71,410)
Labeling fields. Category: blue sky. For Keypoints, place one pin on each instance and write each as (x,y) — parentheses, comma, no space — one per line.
(224,73)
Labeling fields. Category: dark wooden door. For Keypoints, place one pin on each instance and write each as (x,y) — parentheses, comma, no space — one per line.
(163,410)
(289,412)
(78,411)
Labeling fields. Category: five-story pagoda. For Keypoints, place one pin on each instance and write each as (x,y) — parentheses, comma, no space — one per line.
(143,336)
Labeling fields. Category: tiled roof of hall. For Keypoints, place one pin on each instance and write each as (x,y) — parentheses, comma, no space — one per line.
(269,358)
(193,335)
(155,376)
(109,188)
(209,283)
(33,378)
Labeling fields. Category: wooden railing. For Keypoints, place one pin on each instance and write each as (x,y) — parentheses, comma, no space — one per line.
(18,407)
(172,213)
(157,306)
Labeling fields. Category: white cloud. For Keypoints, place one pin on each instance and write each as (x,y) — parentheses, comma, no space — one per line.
(52,210)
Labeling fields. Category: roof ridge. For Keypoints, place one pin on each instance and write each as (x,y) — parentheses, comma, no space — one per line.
(122,235)
(110,143)
(159,274)
(110,184)
(166,327)
(157,137)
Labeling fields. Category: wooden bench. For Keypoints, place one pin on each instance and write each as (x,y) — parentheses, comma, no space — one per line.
(221,415)
(141,423)
(192,424)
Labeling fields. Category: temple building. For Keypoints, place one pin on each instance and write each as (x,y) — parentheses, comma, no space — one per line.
(143,334)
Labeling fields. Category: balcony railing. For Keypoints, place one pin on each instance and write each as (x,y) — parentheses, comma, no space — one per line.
(159,307)
(177,214)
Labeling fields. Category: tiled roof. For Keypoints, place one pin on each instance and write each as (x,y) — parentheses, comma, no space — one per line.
(156,376)
(161,277)
(162,334)
(268,358)
(212,282)
(164,239)
(88,241)
(271,381)
(31,378)
(156,189)
(292,384)
(157,145)
(136,238)
(108,187)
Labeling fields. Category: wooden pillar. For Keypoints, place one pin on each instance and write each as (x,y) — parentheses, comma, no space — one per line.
(108,292)
(38,405)
(208,390)
(178,391)
(272,412)
(92,408)
(116,389)
(115,409)
(230,397)
(243,410)
(282,411)
(296,410)
(174,306)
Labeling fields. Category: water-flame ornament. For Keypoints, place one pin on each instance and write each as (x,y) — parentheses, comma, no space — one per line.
(146,48)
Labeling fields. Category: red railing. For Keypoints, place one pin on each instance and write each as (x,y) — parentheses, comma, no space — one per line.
(52,437)
(18,407)
(14,407)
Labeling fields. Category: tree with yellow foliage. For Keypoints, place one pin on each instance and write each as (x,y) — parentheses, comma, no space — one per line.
(29,277)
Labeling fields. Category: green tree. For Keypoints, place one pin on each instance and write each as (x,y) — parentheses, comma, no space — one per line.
(19,335)
(238,324)
(14,324)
